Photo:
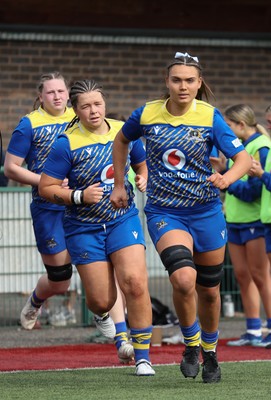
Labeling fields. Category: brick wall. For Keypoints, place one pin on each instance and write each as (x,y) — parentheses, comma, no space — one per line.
(209,15)
(130,73)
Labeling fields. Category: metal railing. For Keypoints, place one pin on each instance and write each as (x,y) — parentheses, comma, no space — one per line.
(21,264)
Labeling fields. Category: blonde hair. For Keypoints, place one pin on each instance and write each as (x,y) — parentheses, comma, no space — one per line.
(243,112)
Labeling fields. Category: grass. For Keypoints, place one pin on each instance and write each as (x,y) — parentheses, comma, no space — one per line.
(242,381)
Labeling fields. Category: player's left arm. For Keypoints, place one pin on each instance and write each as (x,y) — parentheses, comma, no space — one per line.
(242,163)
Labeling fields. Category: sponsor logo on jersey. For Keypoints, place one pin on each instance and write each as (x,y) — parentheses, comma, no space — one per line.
(236,142)
(89,150)
(174,159)
(107,175)
(107,178)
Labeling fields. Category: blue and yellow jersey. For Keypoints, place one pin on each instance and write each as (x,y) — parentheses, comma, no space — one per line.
(33,138)
(85,158)
(178,150)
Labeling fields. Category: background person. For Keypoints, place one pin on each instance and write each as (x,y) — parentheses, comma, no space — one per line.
(268,118)
(31,142)
(99,238)
(183,209)
(265,177)
(246,242)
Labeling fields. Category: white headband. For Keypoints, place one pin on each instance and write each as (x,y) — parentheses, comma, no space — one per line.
(178,55)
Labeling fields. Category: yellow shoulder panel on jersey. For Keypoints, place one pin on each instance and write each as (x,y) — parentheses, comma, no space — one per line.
(79,136)
(40,117)
(199,114)
(152,113)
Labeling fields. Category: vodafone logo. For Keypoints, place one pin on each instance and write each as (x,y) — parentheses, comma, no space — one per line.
(174,159)
(107,175)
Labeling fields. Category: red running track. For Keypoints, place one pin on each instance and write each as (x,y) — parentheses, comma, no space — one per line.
(104,355)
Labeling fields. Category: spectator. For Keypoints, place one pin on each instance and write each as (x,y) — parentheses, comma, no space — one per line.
(246,242)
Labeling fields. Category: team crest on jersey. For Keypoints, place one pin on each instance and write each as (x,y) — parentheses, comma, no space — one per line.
(161,224)
(174,159)
(195,134)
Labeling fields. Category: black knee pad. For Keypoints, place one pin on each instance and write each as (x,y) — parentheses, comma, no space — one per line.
(176,257)
(58,274)
(209,276)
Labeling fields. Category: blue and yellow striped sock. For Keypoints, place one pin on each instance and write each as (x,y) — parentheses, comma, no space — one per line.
(209,340)
(36,301)
(121,334)
(141,339)
(191,334)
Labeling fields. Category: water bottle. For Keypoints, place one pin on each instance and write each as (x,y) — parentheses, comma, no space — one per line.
(228,306)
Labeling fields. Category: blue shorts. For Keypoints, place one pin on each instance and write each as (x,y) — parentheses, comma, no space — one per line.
(267,234)
(208,228)
(243,234)
(48,229)
(89,243)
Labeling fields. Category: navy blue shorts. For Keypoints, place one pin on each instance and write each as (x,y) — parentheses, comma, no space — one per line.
(208,228)
(89,243)
(267,234)
(243,235)
(48,229)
